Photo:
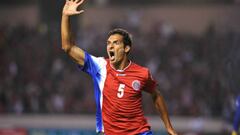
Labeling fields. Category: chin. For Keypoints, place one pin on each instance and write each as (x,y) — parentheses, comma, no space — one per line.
(114,62)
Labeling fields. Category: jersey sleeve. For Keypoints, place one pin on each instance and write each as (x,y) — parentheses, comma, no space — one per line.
(150,83)
(92,65)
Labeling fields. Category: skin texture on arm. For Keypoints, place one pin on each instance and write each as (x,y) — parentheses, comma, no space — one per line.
(162,109)
(68,45)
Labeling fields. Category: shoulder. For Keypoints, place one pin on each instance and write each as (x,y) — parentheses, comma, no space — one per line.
(141,69)
(93,62)
(95,59)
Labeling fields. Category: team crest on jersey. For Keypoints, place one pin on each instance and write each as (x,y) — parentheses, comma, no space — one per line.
(136,85)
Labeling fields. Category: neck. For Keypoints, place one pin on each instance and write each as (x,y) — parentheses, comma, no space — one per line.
(121,65)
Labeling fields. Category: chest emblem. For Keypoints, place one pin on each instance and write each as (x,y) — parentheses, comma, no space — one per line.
(136,85)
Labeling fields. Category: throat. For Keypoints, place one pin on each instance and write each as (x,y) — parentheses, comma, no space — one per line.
(120,65)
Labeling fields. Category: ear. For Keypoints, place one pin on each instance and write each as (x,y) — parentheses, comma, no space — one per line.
(127,49)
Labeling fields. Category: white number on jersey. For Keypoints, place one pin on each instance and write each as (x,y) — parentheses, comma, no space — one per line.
(120,90)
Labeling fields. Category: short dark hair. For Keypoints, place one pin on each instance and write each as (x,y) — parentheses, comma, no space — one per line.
(127,37)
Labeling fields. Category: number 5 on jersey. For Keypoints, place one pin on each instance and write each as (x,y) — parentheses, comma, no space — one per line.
(120,90)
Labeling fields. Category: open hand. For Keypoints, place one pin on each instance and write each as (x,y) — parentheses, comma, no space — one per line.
(70,7)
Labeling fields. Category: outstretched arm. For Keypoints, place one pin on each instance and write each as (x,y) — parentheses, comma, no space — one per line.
(162,109)
(68,45)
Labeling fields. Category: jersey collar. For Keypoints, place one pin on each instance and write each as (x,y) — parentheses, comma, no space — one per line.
(121,70)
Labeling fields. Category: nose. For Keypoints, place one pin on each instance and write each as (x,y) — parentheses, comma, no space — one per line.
(110,45)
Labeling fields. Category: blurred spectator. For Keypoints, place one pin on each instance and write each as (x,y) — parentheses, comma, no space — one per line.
(37,77)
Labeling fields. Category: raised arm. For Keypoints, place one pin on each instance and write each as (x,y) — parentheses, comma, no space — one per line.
(68,45)
(162,109)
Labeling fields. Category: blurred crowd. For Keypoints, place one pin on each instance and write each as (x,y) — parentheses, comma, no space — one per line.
(36,76)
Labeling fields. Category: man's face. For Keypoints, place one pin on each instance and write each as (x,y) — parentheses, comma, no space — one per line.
(116,49)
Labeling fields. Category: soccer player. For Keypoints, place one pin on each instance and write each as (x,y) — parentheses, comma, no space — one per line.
(236,121)
(118,82)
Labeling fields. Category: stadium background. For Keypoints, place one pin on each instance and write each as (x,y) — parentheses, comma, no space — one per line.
(191,48)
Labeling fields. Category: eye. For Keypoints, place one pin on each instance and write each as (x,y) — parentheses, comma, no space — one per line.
(108,43)
(118,42)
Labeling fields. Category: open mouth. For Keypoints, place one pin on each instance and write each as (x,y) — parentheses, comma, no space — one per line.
(111,54)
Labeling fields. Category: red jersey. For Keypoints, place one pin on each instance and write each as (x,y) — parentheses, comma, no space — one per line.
(118,95)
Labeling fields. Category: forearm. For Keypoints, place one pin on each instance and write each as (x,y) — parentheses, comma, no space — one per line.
(66,33)
(68,45)
(162,109)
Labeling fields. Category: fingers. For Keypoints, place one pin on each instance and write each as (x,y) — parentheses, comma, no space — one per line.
(79,12)
(67,1)
(71,0)
(79,2)
(76,1)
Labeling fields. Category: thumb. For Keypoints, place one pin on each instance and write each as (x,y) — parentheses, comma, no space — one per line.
(79,12)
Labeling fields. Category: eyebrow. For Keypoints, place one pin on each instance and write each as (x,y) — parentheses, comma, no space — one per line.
(113,41)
